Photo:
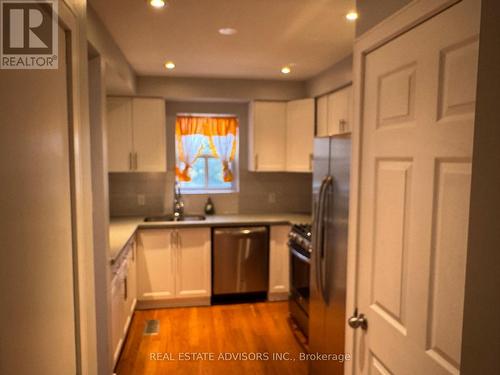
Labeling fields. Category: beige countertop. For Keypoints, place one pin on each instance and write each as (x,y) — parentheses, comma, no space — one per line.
(122,229)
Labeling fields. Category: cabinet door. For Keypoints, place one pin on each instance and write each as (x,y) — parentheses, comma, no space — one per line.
(193,263)
(116,316)
(279,262)
(131,279)
(155,264)
(299,135)
(322,116)
(148,119)
(267,146)
(339,111)
(119,126)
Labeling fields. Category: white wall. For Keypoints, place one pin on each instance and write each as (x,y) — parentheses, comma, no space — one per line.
(336,76)
(481,334)
(371,12)
(120,77)
(200,89)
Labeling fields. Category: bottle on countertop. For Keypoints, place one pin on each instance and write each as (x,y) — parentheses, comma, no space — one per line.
(209,207)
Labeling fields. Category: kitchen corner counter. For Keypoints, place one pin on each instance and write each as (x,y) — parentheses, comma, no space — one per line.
(121,230)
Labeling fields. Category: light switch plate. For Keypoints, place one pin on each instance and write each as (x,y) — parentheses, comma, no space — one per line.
(271,197)
(141,199)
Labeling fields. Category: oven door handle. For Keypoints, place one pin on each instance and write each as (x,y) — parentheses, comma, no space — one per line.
(300,256)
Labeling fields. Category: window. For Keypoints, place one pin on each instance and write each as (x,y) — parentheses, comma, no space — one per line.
(206,151)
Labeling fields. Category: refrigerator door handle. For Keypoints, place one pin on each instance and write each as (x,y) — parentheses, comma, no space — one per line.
(324,253)
(328,183)
(320,238)
(317,225)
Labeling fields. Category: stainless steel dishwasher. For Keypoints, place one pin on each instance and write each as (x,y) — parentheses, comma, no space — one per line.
(240,261)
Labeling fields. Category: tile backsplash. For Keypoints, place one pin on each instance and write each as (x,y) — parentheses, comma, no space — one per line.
(152,193)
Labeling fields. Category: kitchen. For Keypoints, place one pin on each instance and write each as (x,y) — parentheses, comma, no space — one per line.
(252,187)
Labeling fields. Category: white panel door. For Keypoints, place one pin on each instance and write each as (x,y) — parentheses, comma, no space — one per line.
(119,126)
(267,136)
(279,261)
(299,135)
(37,314)
(193,263)
(149,129)
(414,199)
(155,264)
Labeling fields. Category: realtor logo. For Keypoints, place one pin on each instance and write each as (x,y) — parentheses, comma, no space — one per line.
(29,34)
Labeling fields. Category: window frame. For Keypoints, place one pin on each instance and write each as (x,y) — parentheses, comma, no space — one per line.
(206,189)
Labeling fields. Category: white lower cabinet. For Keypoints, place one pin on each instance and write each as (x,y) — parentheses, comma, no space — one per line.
(193,263)
(155,264)
(118,309)
(279,263)
(174,265)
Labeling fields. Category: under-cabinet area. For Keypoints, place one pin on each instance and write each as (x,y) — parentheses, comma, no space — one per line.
(157,266)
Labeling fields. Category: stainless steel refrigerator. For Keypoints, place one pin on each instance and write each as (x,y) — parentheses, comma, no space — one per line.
(327,318)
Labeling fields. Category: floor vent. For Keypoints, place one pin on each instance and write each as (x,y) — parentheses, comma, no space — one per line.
(152,328)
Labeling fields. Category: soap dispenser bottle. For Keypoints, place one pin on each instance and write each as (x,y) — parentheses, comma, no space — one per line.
(209,207)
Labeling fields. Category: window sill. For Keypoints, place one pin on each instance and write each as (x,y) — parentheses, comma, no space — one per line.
(186,191)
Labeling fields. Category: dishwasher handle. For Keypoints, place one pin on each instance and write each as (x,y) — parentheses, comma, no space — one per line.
(241,231)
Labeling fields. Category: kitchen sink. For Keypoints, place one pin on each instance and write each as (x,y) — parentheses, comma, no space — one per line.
(172,218)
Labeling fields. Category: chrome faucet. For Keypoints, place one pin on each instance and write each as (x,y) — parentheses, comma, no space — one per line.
(178,202)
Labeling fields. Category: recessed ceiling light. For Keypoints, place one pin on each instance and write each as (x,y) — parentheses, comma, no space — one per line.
(169,65)
(157,3)
(286,70)
(352,16)
(227,31)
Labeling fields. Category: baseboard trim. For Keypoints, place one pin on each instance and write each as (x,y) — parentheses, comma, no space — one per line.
(166,303)
(280,296)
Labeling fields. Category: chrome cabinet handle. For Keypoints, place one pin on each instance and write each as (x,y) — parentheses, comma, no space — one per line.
(358,321)
(311,161)
(342,124)
(125,289)
(135,161)
(130,162)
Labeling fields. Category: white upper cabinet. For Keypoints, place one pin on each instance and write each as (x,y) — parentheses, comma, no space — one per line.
(322,116)
(148,119)
(120,146)
(334,113)
(299,135)
(136,135)
(267,136)
(281,136)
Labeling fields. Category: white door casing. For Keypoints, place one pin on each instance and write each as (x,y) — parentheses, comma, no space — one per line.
(416,132)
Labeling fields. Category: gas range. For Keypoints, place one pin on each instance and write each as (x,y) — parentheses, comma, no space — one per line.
(300,257)
(300,238)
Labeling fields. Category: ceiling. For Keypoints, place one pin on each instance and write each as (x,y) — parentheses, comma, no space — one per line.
(309,34)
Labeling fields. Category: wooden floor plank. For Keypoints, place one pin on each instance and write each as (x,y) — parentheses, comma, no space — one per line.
(242,328)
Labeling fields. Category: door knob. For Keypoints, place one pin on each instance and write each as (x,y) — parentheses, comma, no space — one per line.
(358,321)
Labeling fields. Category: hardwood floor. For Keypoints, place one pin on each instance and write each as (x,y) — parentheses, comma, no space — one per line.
(243,329)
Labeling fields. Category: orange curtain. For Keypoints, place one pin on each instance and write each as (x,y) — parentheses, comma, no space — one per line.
(222,135)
